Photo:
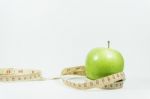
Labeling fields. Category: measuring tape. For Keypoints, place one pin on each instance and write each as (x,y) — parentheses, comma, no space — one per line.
(12,74)
(113,81)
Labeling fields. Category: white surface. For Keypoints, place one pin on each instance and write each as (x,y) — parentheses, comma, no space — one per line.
(52,34)
(56,90)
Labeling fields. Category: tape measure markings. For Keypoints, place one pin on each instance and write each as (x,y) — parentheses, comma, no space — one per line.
(12,74)
(109,82)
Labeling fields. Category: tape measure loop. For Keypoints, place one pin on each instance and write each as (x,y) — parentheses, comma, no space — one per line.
(109,82)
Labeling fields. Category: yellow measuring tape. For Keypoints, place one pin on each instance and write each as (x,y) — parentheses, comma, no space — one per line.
(13,74)
(109,82)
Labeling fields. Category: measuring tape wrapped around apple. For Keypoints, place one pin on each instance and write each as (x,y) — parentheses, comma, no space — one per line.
(103,69)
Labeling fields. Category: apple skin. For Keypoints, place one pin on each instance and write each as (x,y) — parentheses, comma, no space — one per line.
(101,62)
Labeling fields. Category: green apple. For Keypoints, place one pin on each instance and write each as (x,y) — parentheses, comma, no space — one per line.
(101,62)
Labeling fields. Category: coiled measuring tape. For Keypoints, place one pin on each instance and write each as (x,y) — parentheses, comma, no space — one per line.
(113,81)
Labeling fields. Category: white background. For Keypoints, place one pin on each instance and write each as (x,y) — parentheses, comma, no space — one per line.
(53,34)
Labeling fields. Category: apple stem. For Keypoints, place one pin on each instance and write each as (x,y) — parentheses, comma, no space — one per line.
(108,43)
